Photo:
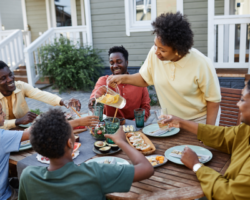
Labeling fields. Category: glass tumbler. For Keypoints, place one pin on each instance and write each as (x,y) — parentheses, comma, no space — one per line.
(111,127)
(139,117)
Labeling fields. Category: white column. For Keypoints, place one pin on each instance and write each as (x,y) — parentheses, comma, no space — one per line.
(82,12)
(88,22)
(48,14)
(226,32)
(210,32)
(25,21)
(53,13)
(73,13)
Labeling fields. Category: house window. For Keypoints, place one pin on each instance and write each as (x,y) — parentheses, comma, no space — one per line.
(140,13)
(63,13)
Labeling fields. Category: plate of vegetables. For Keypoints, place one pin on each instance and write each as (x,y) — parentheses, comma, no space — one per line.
(157,160)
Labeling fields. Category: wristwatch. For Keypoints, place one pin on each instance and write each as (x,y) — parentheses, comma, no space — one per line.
(196,167)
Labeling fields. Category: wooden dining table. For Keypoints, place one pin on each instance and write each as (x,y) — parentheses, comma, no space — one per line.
(170,181)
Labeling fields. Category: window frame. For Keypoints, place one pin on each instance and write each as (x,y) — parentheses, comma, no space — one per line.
(140,26)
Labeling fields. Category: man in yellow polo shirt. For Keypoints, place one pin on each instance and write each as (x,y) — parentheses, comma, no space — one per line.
(12,98)
(185,80)
(235,183)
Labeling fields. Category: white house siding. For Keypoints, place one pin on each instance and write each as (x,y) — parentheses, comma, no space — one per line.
(196,12)
(11,14)
(36,17)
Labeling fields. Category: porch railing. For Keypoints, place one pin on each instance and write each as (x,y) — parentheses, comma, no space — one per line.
(74,33)
(228,39)
(231,44)
(11,48)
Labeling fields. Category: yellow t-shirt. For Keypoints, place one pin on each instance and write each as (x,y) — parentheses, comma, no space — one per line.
(185,86)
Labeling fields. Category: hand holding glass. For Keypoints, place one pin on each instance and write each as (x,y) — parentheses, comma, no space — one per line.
(158,115)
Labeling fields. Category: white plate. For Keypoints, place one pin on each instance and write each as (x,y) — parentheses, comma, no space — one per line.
(39,157)
(120,161)
(165,159)
(154,127)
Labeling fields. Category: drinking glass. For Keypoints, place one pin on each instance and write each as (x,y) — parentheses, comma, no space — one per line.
(158,114)
(97,110)
(111,127)
(139,117)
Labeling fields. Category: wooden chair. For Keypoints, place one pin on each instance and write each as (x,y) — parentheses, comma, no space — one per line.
(230,115)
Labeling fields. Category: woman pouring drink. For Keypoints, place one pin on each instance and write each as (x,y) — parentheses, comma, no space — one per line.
(185,80)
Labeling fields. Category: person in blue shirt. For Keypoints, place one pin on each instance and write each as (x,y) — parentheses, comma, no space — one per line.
(10,142)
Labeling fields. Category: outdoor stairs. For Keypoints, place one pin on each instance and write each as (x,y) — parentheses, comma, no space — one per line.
(21,75)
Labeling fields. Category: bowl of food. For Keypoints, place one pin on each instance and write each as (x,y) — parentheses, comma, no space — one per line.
(114,146)
(98,132)
(99,144)
(105,149)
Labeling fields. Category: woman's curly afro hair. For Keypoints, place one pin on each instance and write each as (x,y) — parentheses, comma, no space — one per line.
(50,133)
(174,30)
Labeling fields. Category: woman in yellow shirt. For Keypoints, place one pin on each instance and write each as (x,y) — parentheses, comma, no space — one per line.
(185,80)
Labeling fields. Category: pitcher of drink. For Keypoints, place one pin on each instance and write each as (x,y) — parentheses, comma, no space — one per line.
(109,97)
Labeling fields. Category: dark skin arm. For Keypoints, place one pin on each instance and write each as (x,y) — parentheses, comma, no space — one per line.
(189,157)
(85,121)
(212,112)
(134,79)
(27,118)
(143,168)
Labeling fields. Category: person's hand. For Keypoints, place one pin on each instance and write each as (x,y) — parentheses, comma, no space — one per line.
(118,137)
(71,103)
(27,118)
(91,103)
(113,81)
(171,120)
(89,121)
(189,158)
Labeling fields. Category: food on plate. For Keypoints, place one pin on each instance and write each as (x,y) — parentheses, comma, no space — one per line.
(25,142)
(79,127)
(77,138)
(114,146)
(108,99)
(139,141)
(99,144)
(156,160)
(67,115)
(76,146)
(109,161)
(105,149)
(128,128)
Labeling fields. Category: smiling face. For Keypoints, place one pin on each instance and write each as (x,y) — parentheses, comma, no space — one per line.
(7,81)
(244,106)
(164,52)
(2,116)
(118,64)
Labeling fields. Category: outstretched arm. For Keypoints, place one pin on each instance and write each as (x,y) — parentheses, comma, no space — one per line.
(143,168)
(134,79)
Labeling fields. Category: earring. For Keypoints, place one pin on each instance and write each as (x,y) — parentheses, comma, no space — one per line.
(177,54)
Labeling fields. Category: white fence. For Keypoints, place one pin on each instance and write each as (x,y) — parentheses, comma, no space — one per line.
(11,49)
(228,39)
(74,33)
(12,43)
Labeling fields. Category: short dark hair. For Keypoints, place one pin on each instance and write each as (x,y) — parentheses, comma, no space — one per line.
(119,49)
(174,30)
(50,133)
(3,65)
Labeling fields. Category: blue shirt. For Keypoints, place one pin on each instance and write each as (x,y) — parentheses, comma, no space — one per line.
(9,142)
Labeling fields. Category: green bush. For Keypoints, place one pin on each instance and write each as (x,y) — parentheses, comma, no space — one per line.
(68,66)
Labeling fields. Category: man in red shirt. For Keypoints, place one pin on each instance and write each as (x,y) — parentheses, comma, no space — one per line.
(136,97)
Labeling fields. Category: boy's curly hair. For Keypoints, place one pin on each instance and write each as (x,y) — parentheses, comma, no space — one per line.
(50,133)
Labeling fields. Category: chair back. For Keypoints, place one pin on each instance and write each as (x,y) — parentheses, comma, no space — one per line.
(230,115)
